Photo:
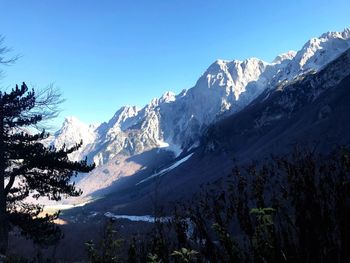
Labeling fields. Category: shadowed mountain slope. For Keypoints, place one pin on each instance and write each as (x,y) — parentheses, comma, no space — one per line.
(313,109)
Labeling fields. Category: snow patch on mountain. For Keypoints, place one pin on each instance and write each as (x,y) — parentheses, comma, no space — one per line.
(166,170)
(169,146)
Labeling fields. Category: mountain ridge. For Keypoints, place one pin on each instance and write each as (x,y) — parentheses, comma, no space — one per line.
(176,122)
(311,111)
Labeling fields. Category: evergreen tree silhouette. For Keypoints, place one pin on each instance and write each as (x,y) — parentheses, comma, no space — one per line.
(30,168)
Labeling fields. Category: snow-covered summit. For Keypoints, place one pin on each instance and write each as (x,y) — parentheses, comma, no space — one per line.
(178,120)
(72,132)
(284,57)
(229,78)
(168,96)
(345,34)
(318,52)
(123,117)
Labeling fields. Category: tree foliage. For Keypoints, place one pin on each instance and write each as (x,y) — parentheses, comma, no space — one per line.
(30,168)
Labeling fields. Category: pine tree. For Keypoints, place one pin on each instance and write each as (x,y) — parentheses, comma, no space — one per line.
(30,168)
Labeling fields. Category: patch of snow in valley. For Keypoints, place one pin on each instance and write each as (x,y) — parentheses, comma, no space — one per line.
(168,169)
(145,218)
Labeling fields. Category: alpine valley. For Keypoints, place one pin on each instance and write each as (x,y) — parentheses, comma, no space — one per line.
(237,109)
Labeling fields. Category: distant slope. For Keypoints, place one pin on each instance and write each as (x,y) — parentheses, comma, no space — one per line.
(175,123)
(312,109)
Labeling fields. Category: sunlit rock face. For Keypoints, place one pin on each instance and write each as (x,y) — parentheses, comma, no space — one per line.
(175,123)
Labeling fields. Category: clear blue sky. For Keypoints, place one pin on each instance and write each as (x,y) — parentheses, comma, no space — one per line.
(103,54)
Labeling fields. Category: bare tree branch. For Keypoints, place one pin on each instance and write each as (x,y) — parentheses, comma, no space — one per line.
(3,51)
(47,105)
(4,59)
(48,102)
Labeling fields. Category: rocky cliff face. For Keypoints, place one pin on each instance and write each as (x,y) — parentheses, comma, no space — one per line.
(175,122)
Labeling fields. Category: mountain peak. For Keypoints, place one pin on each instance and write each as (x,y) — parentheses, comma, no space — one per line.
(168,97)
(71,120)
(221,62)
(72,124)
(216,66)
(122,118)
(345,34)
(319,51)
(289,55)
(72,132)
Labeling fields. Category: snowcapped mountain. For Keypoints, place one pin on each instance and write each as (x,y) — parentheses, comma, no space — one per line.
(312,109)
(176,122)
(315,54)
(72,132)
